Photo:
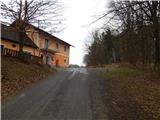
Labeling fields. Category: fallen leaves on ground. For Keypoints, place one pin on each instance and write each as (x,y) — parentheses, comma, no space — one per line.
(131,94)
(17,75)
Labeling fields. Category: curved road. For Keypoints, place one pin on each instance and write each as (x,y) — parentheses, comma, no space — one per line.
(67,95)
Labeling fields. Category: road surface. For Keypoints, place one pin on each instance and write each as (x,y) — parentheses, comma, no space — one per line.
(67,95)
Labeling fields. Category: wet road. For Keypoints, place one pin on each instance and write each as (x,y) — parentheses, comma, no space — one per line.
(63,96)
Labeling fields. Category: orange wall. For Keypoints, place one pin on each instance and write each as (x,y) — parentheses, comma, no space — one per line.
(61,49)
(52,45)
(61,58)
(52,42)
(39,39)
(9,45)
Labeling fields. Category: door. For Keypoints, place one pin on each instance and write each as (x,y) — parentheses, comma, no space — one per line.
(57,63)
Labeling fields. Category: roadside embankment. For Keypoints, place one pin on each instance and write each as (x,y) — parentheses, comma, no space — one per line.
(130,94)
(16,75)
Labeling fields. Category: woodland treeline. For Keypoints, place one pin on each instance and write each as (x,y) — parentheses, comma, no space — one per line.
(133,37)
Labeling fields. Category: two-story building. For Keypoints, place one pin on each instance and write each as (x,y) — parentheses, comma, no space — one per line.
(53,50)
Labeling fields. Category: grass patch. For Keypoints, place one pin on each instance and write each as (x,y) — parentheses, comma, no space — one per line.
(123,73)
(132,94)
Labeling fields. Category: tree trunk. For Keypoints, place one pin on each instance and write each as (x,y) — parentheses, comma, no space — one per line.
(157,47)
(156,34)
(21,42)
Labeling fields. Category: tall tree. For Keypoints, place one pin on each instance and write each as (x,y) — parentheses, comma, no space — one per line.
(137,27)
(135,17)
(28,11)
(151,10)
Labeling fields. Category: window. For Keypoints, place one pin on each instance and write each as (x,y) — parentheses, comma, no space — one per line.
(65,48)
(65,61)
(28,34)
(42,56)
(38,39)
(13,45)
(46,45)
(57,45)
(52,58)
(2,46)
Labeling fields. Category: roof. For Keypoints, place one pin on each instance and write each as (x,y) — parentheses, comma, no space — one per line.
(48,34)
(10,34)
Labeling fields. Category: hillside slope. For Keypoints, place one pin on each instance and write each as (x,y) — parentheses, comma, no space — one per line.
(17,75)
(130,93)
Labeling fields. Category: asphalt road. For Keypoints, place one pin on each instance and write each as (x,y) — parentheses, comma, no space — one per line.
(67,95)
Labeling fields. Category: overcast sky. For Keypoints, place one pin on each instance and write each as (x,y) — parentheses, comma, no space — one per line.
(79,14)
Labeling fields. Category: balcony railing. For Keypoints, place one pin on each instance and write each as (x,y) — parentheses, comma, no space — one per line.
(52,50)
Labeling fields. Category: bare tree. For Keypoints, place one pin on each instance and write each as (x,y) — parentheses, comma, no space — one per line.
(29,11)
(137,24)
(151,10)
(136,18)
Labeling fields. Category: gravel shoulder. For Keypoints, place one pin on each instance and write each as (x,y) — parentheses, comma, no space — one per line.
(100,112)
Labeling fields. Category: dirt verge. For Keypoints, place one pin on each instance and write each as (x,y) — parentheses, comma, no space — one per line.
(17,75)
(130,94)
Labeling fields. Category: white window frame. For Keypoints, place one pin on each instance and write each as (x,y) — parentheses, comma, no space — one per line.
(46,46)
(65,48)
(57,43)
(38,43)
(65,61)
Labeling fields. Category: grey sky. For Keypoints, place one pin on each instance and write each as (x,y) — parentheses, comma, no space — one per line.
(79,14)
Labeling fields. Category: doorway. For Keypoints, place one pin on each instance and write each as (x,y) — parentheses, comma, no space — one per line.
(57,63)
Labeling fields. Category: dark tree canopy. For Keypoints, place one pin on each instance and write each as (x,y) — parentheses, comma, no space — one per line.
(134,35)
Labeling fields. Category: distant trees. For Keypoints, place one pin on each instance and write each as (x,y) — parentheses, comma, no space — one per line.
(136,39)
(28,11)
(101,50)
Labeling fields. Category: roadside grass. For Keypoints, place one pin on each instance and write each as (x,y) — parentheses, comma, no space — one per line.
(132,94)
(16,75)
(123,73)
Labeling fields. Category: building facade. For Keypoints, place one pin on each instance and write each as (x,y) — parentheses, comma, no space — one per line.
(10,40)
(53,50)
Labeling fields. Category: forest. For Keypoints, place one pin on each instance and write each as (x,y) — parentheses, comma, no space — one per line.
(133,35)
